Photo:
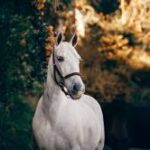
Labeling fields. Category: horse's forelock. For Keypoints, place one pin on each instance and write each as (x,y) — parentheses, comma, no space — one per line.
(66,46)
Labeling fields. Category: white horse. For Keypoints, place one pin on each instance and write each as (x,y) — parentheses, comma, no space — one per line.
(61,122)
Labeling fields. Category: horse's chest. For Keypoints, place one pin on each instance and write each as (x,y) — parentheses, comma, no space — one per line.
(64,132)
(51,138)
(59,138)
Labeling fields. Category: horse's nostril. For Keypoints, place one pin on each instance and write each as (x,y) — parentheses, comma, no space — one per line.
(77,87)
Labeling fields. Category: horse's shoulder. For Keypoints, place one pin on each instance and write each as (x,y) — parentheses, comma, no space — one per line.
(92,102)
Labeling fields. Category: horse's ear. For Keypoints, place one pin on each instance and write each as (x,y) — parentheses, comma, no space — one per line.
(74,40)
(59,38)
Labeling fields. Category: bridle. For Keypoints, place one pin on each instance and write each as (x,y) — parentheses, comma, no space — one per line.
(61,83)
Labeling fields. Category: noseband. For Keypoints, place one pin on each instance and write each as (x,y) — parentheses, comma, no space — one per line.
(61,83)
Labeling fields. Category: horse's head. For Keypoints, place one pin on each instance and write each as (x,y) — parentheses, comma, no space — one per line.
(66,67)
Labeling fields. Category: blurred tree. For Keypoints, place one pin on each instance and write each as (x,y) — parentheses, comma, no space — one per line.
(21,73)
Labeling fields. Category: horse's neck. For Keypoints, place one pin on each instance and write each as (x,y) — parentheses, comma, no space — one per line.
(52,90)
(53,99)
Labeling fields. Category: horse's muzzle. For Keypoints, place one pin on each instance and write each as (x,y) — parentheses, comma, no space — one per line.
(77,96)
(77,91)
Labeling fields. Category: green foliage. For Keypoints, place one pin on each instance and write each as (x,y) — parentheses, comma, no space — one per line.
(21,72)
(67,2)
(22,56)
(15,125)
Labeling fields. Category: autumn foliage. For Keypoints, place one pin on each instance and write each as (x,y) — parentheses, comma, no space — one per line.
(114,46)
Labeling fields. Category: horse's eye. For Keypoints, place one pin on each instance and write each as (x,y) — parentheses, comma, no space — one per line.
(60,58)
